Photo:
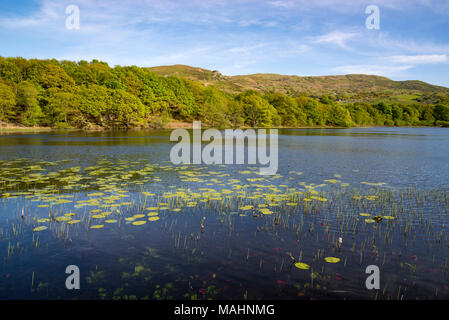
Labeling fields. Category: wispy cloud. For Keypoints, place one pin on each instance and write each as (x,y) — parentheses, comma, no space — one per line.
(281,4)
(423,46)
(338,38)
(420,59)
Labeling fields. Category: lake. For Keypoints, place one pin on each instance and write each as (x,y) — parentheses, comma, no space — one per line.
(139,227)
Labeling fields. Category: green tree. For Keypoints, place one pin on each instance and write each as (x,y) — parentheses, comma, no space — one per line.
(126,110)
(257,111)
(28,102)
(214,107)
(93,103)
(314,110)
(61,107)
(287,108)
(441,112)
(54,76)
(7,102)
(337,115)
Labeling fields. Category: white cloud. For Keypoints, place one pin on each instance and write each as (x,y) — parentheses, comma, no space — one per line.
(384,41)
(281,4)
(338,38)
(420,59)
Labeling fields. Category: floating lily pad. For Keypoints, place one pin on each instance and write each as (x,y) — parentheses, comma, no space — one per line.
(152,214)
(40,228)
(332,259)
(59,219)
(301,265)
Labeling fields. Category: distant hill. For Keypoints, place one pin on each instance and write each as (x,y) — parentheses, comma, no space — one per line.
(339,84)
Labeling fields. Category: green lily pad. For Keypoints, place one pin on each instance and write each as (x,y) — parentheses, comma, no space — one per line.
(40,228)
(332,259)
(301,265)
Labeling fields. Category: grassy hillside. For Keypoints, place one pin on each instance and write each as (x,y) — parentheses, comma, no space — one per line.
(351,85)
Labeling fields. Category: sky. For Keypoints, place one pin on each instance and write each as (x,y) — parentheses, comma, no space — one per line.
(294,37)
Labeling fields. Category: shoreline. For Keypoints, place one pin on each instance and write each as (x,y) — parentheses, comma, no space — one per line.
(180,125)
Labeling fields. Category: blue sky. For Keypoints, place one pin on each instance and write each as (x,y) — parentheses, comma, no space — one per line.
(301,37)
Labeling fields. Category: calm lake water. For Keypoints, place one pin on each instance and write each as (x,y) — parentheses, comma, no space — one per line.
(139,227)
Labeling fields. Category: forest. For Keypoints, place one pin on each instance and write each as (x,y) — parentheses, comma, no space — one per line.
(93,95)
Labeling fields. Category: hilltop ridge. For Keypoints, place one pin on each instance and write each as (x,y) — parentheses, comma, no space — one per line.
(289,84)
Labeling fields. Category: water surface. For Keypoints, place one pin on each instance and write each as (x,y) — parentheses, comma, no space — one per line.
(224,231)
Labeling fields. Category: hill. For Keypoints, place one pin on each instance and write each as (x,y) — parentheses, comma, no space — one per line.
(351,84)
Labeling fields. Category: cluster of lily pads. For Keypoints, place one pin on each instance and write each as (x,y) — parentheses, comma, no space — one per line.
(41,196)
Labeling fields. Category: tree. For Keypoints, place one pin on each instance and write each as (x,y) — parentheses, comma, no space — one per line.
(28,102)
(338,116)
(314,110)
(359,114)
(214,107)
(53,76)
(7,102)
(235,113)
(257,111)
(93,103)
(287,108)
(126,110)
(61,107)
(441,112)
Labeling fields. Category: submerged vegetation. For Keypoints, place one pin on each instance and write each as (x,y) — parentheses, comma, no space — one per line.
(91,95)
(143,230)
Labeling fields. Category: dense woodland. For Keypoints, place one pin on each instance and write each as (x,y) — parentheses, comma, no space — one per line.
(67,94)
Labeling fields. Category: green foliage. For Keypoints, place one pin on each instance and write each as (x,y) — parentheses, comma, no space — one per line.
(337,115)
(28,103)
(441,112)
(93,95)
(257,111)
(61,106)
(7,102)
(287,108)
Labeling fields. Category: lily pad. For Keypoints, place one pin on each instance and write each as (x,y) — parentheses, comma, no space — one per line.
(40,228)
(332,259)
(301,265)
